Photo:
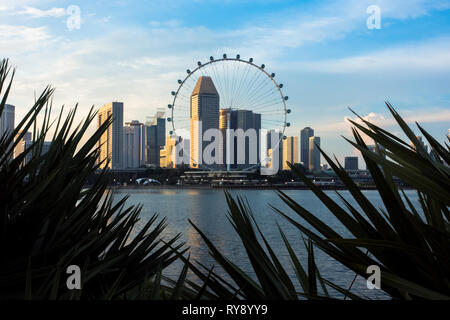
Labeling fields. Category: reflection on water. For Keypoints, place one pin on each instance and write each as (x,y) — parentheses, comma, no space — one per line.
(207,209)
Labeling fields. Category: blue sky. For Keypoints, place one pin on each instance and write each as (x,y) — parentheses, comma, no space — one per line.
(322,51)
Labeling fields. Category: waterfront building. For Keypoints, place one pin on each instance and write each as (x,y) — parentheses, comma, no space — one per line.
(154,138)
(111,141)
(204,115)
(7,119)
(234,120)
(278,139)
(23,144)
(314,154)
(290,151)
(172,158)
(305,134)
(133,145)
(351,163)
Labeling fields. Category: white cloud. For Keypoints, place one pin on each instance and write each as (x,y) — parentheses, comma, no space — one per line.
(38,13)
(429,56)
(20,39)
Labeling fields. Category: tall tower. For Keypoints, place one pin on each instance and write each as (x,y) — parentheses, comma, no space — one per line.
(111,141)
(290,151)
(314,154)
(7,119)
(305,134)
(204,115)
(133,144)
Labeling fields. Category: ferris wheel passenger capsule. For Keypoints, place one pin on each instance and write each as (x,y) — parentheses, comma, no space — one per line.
(169,106)
(251,60)
(238,56)
(173,93)
(179,81)
(273,75)
(211,58)
(224,55)
(199,63)
(281,85)
(188,71)
(263,66)
(286,98)
(288,110)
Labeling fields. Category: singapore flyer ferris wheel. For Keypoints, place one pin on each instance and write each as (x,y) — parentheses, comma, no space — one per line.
(228,93)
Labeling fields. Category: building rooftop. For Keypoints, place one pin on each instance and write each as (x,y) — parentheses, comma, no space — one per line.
(204,85)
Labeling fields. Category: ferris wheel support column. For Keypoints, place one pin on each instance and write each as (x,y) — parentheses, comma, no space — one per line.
(228,144)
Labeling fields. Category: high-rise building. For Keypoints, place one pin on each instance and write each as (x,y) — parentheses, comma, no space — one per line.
(305,134)
(204,115)
(155,138)
(169,154)
(234,120)
(351,163)
(111,141)
(133,145)
(290,151)
(7,119)
(314,154)
(270,147)
(23,144)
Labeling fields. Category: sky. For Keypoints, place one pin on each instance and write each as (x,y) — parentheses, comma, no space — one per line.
(322,51)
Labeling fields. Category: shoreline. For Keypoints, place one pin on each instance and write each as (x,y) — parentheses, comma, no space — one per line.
(241,187)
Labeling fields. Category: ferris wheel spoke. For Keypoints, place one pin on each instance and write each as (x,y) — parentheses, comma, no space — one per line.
(252,104)
(265,106)
(256,97)
(253,90)
(264,98)
(240,93)
(236,83)
(265,87)
(255,76)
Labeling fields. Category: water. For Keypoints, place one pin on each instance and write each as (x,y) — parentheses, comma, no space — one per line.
(207,209)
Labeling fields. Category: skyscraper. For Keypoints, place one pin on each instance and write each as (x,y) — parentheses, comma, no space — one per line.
(305,134)
(170,156)
(155,138)
(270,147)
(351,163)
(7,123)
(204,115)
(234,120)
(314,154)
(290,151)
(133,145)
(7,119)
(23,144)
(111,141)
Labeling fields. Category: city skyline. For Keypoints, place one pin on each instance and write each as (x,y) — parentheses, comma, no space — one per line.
(323,52)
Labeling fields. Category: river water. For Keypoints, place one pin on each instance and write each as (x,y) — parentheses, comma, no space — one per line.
(207,209)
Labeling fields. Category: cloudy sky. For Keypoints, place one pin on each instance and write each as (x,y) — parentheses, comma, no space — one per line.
(322,51)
